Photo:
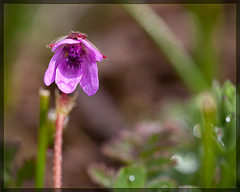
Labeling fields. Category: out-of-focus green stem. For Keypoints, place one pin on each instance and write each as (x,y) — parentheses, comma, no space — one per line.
(170,45)
(228,170)
(238,130)
(205,19)
(42,138)
(209,122)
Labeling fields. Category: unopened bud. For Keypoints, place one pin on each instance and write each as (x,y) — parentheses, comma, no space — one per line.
(208,105)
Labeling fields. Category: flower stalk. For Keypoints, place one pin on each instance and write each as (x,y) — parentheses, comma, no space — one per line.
(73,63)
(64,105)
(58,151)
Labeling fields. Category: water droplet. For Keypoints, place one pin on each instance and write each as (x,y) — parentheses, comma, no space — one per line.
(176,158)
(197,131)
(228,119)
(187,164)
(219,132)
(131,178)
(52,115)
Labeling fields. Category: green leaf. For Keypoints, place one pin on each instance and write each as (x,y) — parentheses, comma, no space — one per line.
(119,149)
(26,172)
(229,90)
(161,182)
(10,151)
(9,154)
(131,177)
(101,174)
(216,90)
(205,19)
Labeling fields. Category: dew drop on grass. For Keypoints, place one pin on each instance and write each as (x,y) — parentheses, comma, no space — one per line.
(197,131)
(131,178)
(228,119)
(186,164)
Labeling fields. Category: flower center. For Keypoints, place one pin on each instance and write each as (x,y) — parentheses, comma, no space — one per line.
(73,59)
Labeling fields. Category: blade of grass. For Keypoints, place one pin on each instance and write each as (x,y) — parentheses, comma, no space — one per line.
(209,154)
(42,138)
(170,45)
(205,20)
(238,130)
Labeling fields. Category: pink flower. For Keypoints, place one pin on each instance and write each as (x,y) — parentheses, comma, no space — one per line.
(74,62)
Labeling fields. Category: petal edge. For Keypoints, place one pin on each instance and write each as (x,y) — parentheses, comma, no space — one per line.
(50,73)
(98,56)
(89,81)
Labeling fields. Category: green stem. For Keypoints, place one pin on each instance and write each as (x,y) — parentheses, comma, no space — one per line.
(205,20)
(238,132)
(209,153)
(170,45)
(42,138)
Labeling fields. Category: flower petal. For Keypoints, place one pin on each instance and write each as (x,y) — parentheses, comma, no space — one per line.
(50,73)
(56,41)
(67,79)
(92,50)
(89,81)
(65,41)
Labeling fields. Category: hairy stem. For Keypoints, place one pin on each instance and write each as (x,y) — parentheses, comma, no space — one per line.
(64,105)
(58,151)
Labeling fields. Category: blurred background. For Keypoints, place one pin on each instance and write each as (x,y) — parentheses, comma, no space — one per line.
(160,58)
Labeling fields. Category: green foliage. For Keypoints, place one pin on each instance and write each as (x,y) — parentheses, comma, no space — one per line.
(238,136)
(206,24)
(31,167)
(131,177)
(202,144)
(160,33)
(213,115)
(9,155)
(16,177)
(217,147)
(161,182)
(147,158)
(101,174)
(26,171)
(226,116)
